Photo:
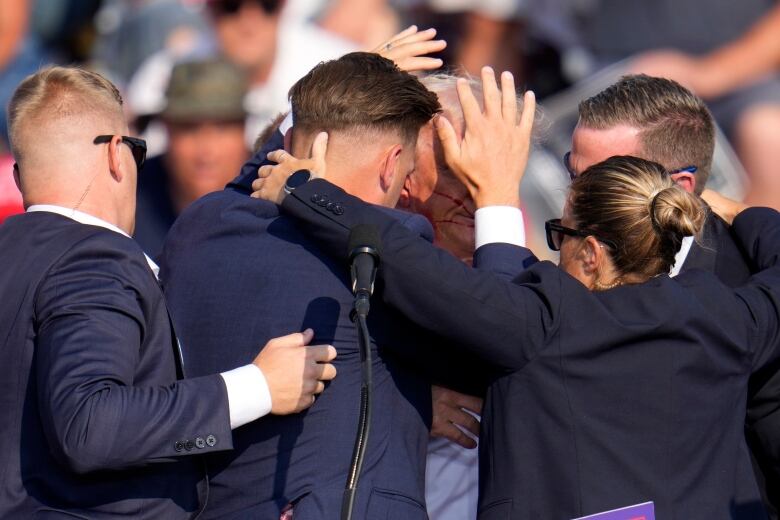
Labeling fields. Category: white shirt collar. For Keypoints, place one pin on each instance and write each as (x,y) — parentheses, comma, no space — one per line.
(682,254)
(91,220)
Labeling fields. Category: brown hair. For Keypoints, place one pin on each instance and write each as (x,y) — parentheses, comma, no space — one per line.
(361,91)
(61,92)
(636,205)
(676,128)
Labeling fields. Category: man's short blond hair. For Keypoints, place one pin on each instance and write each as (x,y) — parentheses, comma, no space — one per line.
(59,93)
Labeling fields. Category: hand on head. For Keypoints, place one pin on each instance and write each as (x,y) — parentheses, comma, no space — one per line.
(295,372)
(409,47)
(269,184)
(491,158)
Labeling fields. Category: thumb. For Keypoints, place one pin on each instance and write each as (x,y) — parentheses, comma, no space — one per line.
(449,141)
(297,339)
(306,336)
(319,147)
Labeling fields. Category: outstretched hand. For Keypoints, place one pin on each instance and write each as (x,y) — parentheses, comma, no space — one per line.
(490,159)
(271,178)
(409,47)
(723,206)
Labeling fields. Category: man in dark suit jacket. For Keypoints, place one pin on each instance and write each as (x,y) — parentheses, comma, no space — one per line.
(273,276)
(97,421)
(657,119)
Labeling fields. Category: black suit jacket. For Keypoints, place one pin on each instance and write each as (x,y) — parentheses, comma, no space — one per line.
(601,399)
(94,422)
(721,254)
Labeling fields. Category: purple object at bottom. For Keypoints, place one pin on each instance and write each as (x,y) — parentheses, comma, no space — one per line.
(644,511)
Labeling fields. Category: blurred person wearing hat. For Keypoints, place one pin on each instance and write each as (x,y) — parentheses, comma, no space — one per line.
(204,116)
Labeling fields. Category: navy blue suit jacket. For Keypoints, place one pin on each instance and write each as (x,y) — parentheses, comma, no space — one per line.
(601,399)
(94,422)
(237,274)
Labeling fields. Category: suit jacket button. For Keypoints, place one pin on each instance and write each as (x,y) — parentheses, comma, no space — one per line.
(315,198)
(338,209)
(211,440)
(200,443)
(178,446)
(188,445)
(323,201)
(329,206)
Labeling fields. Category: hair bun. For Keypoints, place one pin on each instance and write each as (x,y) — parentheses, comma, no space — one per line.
(677,212)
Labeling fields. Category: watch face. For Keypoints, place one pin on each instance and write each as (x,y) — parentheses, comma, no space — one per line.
(297,178)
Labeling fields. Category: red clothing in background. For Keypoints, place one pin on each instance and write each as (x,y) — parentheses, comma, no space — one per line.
(10,198)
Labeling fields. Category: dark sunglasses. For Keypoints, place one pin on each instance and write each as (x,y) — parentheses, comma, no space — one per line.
(555,233)
(231,7)
(137,147)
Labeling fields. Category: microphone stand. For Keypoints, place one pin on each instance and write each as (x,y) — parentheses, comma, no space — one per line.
(358,316)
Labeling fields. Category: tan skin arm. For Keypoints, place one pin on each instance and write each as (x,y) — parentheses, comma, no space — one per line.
(737,63)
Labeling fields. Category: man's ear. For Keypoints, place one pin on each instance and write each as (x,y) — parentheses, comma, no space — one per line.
(17,179)
(685,180)
(390,166)
(407,193)
(115,158)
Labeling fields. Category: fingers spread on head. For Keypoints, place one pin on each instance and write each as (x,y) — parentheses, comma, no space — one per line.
(508,97)
(471,111)
(491,95)
(409,31)
(418,36)
(447,136)
(529,112)
(422,63)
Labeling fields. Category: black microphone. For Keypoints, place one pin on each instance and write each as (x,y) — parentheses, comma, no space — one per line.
(364,260)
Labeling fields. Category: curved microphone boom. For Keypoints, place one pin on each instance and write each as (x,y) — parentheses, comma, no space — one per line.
(364,259)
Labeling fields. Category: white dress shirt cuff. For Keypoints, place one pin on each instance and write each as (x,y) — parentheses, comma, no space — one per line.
(249,397)
(499,224)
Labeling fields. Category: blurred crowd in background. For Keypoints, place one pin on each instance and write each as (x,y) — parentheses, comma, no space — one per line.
(201,78)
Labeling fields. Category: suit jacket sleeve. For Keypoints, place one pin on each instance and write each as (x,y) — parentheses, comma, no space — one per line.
(505,324)
(758,232)
(505,260)
(91,328)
